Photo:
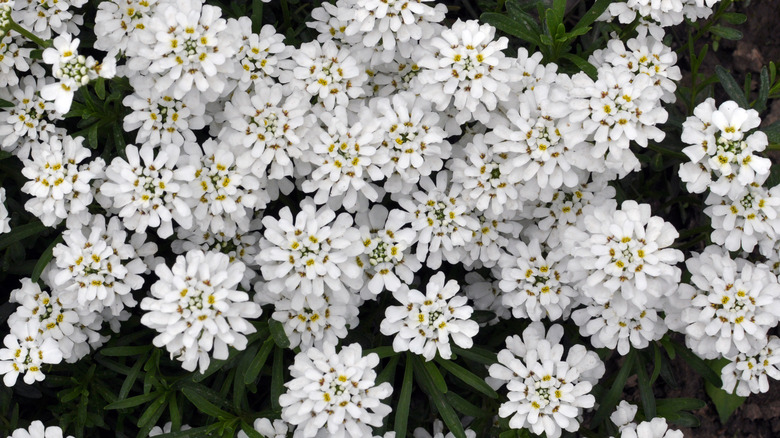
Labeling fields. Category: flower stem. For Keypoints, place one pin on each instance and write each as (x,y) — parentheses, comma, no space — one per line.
(29,35)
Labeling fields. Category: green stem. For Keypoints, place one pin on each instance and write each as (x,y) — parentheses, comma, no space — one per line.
(29,35)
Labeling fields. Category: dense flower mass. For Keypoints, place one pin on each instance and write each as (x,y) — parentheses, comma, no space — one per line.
(362,200)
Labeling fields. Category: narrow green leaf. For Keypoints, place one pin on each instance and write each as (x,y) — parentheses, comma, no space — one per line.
(127,385)
(388,373)
(437,398)
(257,16)
(728,33)
(6,104)
(608,402)
(467,377)
(592,14)
(81,412)
(203,405)
(174,411)
(383,352)
(277,377)
(197,432)
(645,389)
(258,362)
(21,232)
(92,136)
(725,403)
(133,401)
(278,334)
(44,259)
(684,419)
(698,365)
(151,414)
(732,88)
(465,407)
(582,64)
(249,430)
(763,90)
(512,27)
(404,399)
(126,350)
(477,354)
(435,376)
(658,360)
(733,17)
(668,405)
(100,88)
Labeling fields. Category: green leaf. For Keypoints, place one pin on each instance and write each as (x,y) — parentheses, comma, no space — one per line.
(44,259)
(133,401)
(92,136)
(725,403)
(437,398)
(126,350)
(249,430)
(258,362)
(669,405)
(763,90)
(698,365)
(100,88)
(389,371)
(383,352)
(277,377)
(733,17)
(150,416)
(684,419)
(6,104)
(728,33)
(658,360)
(404,399)
(582,64)
(173,410)
(477,354)
(467,377)
(21,232)
(203,405)
(512,27)
(645,390)
(608,402)
(435,376)
(592,14)
(257,16)
(197,432)
(732,88)
(278,334)
(81,411)
(464,406)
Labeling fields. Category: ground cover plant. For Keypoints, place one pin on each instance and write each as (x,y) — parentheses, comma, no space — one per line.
(381,218)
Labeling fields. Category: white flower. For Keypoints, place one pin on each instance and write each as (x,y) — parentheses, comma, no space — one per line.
(386,259)
(327,72)
(655,428)
(196,308)
(53,319)
(117,20)
(259,54)
(424,323)
(730,307)
(272,125)
(238,246)
(160,118)
(486,295)
(442,218)
(750,217)
(624,414)
(44,17)
(185,44)
(625,252)
(334,391)
(619,324)
(37,430)
(4,219)
(96,268)
(29,120)
(547,394)
(438,432)
(13,58)
(223,193)
(534,283)
(26,350)
(488,240)
(467,64)
(145,191)
(277,429)
(59,186)
(317,320)
(745,375)
(722,157)
(310,252)
(413,140)
(485,175)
